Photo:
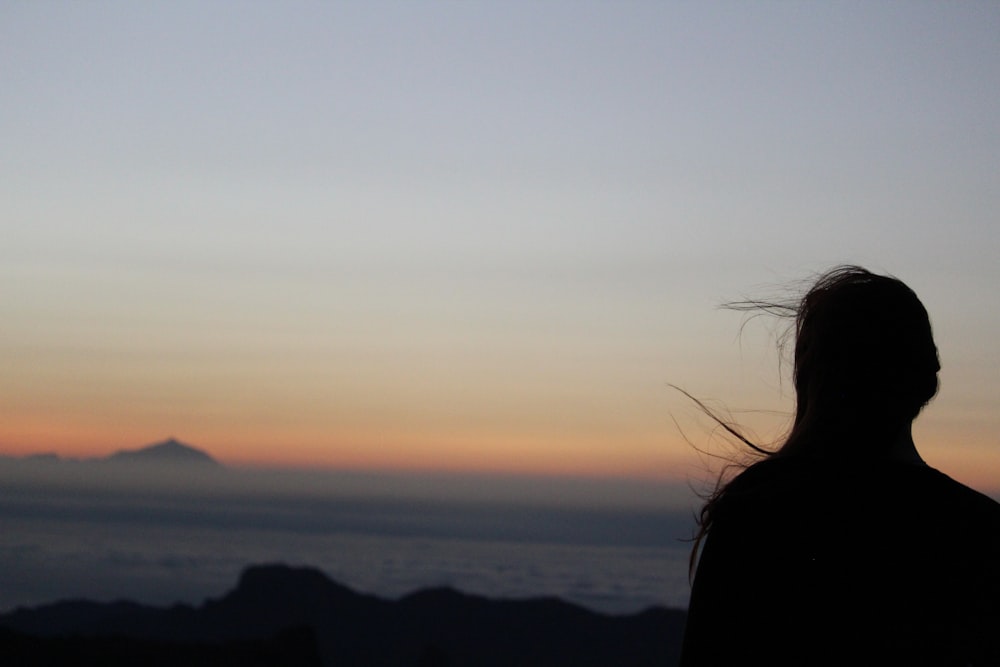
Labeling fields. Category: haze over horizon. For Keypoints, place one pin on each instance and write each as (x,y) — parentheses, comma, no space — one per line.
(163,524)
(478,237)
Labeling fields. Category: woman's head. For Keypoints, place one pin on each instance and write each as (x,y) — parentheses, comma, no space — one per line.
(865,359)
(865,365)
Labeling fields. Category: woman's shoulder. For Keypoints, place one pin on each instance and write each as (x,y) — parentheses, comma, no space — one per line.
(935,486)
(776,473)
(779,484)
(872,483)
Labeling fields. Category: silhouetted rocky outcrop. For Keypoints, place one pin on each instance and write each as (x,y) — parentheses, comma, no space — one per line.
(431,627)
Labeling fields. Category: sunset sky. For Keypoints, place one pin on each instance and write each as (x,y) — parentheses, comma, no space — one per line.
(477,236)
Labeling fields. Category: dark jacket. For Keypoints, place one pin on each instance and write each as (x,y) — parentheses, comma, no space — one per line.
(820,564)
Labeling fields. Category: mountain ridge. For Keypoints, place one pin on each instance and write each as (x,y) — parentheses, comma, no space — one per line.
(353,628)
(170,451)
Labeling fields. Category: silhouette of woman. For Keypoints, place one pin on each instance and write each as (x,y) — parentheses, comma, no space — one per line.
(842,547)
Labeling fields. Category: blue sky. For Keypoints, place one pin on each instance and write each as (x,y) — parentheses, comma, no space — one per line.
(474,236)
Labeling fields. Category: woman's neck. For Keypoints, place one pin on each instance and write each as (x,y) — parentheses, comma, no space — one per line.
(903,450)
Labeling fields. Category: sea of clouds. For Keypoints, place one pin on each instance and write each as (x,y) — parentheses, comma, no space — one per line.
(87,530)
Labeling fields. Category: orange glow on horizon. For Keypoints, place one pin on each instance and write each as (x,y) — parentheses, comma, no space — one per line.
(954,447)
(654,457)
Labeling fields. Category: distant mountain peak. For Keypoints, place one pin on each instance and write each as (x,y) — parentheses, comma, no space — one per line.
(170,444)
(171,451)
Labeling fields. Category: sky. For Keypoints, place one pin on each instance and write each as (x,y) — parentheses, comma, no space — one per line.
(477,236)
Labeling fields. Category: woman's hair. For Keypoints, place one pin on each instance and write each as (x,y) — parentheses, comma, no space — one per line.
(865,364)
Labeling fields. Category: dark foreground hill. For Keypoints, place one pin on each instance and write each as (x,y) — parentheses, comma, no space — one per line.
(297,616)
(292,648)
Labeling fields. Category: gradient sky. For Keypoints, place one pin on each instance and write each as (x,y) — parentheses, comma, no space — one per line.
(476,236)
